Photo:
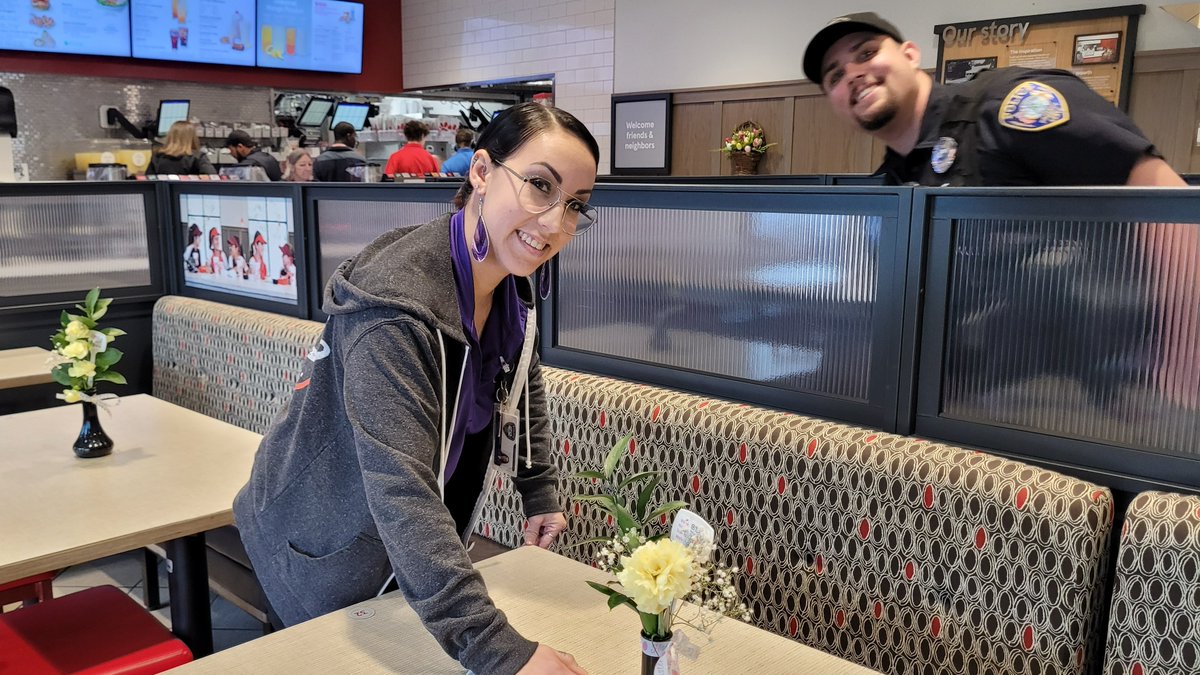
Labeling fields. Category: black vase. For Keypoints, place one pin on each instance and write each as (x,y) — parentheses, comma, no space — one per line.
(652,650)
(92,441)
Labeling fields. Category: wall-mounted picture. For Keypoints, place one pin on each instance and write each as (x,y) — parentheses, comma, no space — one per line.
(962,70)
(239,244)
(1096,48)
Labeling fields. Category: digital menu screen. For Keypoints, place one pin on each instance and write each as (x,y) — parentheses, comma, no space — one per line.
(97,27)
(241,245)
(323,35)
(199,31)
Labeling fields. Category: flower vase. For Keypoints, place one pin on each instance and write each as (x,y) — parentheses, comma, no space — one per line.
(654,650)
(92,441)
(743,164)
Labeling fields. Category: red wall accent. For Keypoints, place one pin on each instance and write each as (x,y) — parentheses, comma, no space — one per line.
(382,69)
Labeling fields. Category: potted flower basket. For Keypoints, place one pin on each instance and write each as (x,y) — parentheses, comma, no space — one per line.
(745,148)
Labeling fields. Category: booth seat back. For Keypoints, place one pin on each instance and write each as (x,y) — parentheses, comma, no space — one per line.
(1154,622)
(899,554)
(237,365)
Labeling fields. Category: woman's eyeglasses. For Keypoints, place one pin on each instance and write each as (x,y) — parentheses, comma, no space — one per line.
(539,195)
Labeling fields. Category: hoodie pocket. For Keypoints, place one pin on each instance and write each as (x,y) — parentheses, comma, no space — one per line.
(351,573)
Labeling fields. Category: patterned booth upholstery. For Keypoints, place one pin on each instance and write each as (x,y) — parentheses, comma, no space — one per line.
(903,555)
(900,554)
(1154,622)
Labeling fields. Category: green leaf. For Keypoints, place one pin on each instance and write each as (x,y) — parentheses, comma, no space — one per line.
(643,498)
(59,373)
(100,312)
(113,333)
(92,296)
(615,597)
(108,357)
(614,455)
(110,376)
(625,519)
(103,303)
(82,309)
(665,508)
(589,474)
(64,318)
(649,623)
(635,477)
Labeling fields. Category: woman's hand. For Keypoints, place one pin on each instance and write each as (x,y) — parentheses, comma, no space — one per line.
(551,661)
(542,529)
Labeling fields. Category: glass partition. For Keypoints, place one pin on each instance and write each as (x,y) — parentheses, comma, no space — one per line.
(786,296)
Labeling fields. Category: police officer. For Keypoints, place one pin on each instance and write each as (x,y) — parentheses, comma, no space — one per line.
(1010,126)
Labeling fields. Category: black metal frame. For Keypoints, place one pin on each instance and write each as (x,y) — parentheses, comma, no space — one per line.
(666,97)
(154,242)
(433,192)
(893,204)
(176,243)
(932,238)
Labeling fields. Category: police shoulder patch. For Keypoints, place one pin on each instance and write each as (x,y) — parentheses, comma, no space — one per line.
(1033,106)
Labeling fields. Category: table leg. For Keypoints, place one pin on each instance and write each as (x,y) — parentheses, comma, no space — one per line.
(191,614)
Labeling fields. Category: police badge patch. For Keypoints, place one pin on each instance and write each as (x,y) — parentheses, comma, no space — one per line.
(1033,106)
(944,154)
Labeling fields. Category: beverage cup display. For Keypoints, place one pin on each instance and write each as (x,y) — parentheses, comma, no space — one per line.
(290,37)
(267,34)
(183,33)
(174,39)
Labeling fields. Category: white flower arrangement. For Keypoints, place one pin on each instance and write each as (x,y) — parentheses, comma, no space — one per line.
(654,573)
(83,355)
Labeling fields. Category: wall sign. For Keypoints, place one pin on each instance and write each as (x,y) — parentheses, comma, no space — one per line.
(1097,45)
(641,134)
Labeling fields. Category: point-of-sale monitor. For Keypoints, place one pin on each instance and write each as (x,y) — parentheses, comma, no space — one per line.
(354,113)
(170,112)
(315,112)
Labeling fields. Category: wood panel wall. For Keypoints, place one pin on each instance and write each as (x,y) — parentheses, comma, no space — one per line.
(1164,102)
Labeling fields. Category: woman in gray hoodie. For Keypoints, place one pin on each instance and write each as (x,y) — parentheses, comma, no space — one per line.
(377,464)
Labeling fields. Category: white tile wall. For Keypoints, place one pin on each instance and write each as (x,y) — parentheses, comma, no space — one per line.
(448,42)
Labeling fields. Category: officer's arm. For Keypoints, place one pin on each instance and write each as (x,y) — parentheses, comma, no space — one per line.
(1150,171)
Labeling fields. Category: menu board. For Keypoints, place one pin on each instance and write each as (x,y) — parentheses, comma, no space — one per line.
(323,35)
(98,27)
(199,31)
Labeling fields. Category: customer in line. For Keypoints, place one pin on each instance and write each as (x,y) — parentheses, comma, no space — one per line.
(340,163)
(380,459)
(300,167)
(413,158)
(458,162)
(1008,126)
(180,154)
(246,151)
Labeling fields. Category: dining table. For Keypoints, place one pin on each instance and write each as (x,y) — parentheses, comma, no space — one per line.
(24,366)
(545,597)
(172,476)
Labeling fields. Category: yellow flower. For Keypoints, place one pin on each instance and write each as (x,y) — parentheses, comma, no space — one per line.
(76,330)
(656,574)
(82,369)
(75,350)
(70,396)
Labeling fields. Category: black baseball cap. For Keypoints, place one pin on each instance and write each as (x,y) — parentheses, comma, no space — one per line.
(836,29)
(239,137)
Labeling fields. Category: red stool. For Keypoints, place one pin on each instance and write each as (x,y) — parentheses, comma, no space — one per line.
(98,631)
(30,590)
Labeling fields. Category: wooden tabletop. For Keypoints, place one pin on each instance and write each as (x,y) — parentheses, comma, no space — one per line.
(24,366)
(545,598)
(173,473)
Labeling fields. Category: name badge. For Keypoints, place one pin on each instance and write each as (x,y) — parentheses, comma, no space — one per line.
(504,442)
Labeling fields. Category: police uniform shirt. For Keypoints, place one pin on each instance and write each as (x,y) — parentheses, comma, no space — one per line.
(1019,126)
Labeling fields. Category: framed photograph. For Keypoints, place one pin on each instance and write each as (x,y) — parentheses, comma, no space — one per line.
(641,134)
(1096,48)
(962,70)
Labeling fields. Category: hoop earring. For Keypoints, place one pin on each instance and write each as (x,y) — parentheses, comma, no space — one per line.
(543,281)
(480,243)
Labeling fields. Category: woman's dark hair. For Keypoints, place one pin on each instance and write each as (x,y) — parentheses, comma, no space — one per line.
(415,130)
(513,127)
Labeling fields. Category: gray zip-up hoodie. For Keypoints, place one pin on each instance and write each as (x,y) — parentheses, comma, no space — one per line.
(346,483)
